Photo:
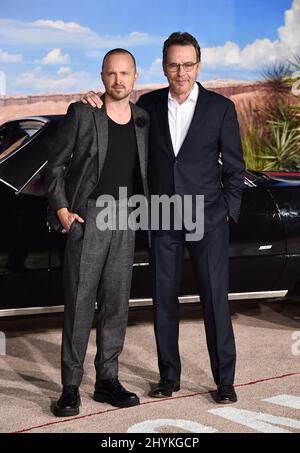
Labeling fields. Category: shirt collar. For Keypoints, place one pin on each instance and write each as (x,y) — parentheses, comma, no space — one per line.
(193,96)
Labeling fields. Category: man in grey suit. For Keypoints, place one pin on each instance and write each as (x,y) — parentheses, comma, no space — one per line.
(94,154)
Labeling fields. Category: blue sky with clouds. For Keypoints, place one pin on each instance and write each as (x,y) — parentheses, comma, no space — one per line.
(57,46)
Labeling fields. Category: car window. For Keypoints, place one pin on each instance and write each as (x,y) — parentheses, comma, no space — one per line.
(16,133)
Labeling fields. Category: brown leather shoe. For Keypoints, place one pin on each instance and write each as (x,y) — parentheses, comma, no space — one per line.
(164,389)
(225,394)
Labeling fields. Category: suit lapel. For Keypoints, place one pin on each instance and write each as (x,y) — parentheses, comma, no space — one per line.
(101,124)
(200,115)
(163,119)
(140,139)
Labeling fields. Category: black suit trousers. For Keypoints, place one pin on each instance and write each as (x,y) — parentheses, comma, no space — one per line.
(210,262)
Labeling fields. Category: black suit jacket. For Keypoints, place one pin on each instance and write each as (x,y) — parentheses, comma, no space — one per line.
(213,134)
(77,154)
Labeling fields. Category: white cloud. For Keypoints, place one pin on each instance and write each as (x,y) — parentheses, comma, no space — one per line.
(64,70)
(253,56)
(262,51)
(227,54)
(69,82)
(289,34)
(69,27)
(49,32)
(61,36)
(6,57)
(55,56)
(154,71)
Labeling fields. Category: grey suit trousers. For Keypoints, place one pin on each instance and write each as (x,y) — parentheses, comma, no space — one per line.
(98,267)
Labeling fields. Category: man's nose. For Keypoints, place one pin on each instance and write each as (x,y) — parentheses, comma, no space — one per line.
(117,79)
(180,70)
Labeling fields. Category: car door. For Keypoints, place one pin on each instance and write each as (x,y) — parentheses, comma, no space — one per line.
(24,237)
(24,250)
(257,246)
(257,243)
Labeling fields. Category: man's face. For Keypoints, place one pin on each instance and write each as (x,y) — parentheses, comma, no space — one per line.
(181,82)
(119,76)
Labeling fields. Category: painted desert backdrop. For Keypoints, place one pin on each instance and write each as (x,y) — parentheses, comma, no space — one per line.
(248,97)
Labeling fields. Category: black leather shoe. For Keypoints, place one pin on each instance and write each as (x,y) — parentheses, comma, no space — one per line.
(112,392)
(165,389)
(225,394)
(69,402)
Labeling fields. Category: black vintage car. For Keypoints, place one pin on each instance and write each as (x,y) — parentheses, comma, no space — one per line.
(264,245)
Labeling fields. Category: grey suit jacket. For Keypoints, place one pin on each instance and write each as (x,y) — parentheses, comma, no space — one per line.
(77,154)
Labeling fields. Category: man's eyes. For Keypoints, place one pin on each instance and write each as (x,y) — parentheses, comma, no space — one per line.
(123,73)
(185,65)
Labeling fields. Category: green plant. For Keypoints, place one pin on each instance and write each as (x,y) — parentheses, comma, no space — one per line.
(274,143)
(281,150)
(251,149)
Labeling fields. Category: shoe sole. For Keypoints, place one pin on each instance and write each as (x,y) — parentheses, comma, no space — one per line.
(226,401)
(165,395)
(65,412)
(103,398)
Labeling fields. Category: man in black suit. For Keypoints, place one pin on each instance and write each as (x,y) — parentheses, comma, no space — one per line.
(195,149)
(94,153)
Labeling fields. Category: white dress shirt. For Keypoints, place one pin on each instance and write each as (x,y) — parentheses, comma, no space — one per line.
(180,117)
